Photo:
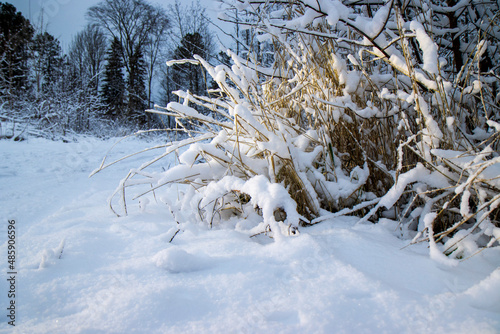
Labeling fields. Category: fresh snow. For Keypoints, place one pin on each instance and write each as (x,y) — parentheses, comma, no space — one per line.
(428,47)
(81,269)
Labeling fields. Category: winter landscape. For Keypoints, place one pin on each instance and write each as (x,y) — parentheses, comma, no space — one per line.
(334,168)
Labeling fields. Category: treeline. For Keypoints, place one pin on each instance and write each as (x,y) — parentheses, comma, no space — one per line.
(108,75)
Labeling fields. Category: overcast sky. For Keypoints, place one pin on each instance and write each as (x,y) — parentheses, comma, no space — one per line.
(65,18)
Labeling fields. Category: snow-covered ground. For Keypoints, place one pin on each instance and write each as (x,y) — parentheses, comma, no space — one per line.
(81,269)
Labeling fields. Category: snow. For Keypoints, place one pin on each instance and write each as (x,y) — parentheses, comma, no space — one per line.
(177,260)
(486,294)
(419,173)
(373,26)
(494,124)
(304,20)
(428,47)
(81,269)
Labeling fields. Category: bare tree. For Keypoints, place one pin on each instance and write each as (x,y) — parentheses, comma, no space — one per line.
(190,20)
(154,46)
(87,54)
(133,23)
(190,34)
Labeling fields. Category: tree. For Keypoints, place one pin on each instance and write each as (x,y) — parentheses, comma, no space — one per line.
(246,32)
(48,62)
(16,33)
(113,90)
(189,20)
(156,41)
(191,35)
(134,23)
(87,54)
(189,76)
(137,98)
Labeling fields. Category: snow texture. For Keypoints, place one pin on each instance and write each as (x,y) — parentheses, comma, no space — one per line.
(81,269)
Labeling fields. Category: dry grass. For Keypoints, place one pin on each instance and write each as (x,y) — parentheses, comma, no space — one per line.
(364,121)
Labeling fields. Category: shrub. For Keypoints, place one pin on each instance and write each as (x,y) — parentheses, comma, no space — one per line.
(367,109)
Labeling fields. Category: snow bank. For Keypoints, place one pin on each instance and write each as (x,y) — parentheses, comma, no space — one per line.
(177,260)
(121,275)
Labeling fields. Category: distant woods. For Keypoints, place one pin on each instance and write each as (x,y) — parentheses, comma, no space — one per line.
(113,70)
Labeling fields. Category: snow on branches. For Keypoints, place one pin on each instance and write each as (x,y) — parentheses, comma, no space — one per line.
(361,111)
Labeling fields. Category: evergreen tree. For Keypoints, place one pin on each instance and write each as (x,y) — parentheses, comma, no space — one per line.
(16,34)
(48,63)
(113,90)
(137,97)
(189,76)
(140,27)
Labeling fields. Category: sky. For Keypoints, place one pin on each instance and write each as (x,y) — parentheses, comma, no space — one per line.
(65,18)
(62,18)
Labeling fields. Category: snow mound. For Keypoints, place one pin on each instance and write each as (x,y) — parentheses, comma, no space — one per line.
(486,294)
(177,260)
(49,256)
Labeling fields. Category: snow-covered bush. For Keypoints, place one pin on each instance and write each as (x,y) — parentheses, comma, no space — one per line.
(368,109)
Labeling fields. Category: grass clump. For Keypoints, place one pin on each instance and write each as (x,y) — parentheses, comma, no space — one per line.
(361,110)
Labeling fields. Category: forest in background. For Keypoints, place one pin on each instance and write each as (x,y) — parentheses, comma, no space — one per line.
(113,71)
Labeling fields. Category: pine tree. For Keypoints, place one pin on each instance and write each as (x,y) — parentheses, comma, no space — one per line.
(137,97)
(48,63)
(189,76)
(16,34)
(113,90)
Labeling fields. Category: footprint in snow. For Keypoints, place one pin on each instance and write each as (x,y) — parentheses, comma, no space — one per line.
(177,260)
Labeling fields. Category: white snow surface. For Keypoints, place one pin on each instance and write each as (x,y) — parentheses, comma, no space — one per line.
(81,269)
